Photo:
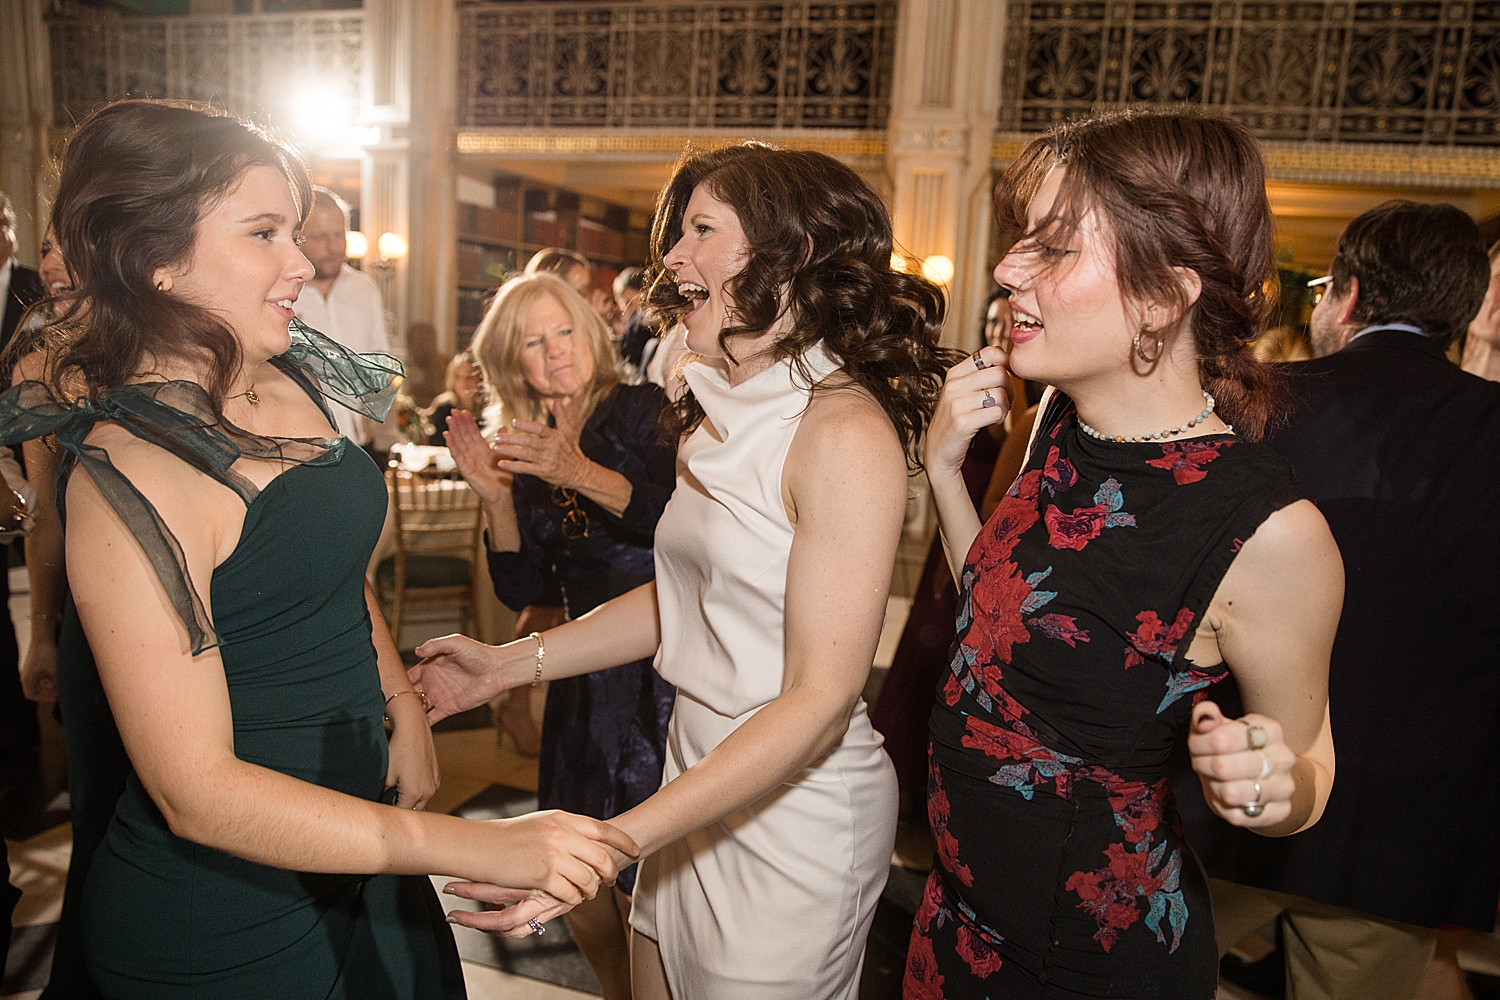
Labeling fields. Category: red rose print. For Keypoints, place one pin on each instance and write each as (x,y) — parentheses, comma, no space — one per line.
(976,951)
(922,981)
(1186,459)
(1153,638)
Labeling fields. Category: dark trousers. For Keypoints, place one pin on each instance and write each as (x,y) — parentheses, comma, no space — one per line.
(19,732)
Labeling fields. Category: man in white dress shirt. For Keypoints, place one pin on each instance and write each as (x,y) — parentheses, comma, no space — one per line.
(342,303)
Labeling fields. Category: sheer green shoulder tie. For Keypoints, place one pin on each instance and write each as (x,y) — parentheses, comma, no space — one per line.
(178,417)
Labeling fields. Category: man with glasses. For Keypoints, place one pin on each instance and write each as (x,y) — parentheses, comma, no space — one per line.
(1401,450)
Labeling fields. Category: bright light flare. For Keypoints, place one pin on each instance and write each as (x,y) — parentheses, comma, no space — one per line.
(392,246)
(321,112)
(356,245)
(938,269)
(898,262)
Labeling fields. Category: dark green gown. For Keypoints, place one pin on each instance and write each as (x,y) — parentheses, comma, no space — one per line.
(167,918)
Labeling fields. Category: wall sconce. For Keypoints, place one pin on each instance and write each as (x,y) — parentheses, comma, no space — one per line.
(356,245)
(938,269)
(392,248)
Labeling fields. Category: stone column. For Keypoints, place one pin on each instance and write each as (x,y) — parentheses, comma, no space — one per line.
(944,108)
(25,110)
(409,170)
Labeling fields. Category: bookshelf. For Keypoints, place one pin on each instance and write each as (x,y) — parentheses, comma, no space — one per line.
(494,243)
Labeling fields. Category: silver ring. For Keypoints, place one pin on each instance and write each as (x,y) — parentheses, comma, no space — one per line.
(1255,736)
(536,926)
(989,400)
(979,362)
(1265,766)
(1254,807)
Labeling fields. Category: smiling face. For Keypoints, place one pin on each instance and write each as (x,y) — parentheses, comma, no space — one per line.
(556,359)
(711,252)
(245,264)
(1070,322)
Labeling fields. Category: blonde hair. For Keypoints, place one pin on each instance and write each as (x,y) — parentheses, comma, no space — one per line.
(502,335)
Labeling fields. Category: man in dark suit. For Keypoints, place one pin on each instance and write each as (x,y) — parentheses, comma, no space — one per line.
(1401,450)
(19,288)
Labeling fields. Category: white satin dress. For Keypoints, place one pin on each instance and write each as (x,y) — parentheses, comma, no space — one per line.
(776,900)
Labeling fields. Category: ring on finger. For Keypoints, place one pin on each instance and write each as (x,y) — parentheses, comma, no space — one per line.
(1255,736)
(979,363)
(1254,807)
(1265,766)
(989,400)
(536,926)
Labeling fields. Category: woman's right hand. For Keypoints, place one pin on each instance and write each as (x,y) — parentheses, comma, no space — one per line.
(476,461)
(39,672)
(972,397)
(457,673)
(554,861)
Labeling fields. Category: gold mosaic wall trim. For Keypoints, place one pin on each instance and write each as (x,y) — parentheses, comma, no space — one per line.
(626,143)
(1406,166)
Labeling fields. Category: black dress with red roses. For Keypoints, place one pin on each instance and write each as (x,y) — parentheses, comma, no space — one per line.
(1062,870)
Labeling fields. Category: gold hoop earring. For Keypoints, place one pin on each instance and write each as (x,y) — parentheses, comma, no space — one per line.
(1160,346)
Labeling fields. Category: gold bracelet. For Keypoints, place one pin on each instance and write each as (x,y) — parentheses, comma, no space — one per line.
(39,616)
(541,654)
(426,705)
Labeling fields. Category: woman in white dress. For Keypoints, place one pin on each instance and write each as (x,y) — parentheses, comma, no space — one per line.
(813,368)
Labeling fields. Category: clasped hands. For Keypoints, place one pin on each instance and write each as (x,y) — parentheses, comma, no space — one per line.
(1244,765)
(564,858)
(551,454)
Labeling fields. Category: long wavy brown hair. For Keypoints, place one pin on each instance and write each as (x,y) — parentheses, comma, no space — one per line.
(136,177)
(1177,188)
(818,251)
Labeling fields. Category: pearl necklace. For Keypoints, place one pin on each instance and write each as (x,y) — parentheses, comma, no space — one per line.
(1158,435)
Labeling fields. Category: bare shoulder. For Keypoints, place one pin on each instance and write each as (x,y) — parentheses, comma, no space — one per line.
(1291,566)
(197,509)
(846,451)
(842,419)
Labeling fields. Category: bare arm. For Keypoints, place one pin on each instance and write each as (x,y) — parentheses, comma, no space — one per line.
(458,673)
(847,479)
(413,759)
(960,414)
(1273,621)
(174,714)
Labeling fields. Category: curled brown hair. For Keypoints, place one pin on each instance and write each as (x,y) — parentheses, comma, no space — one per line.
(819,250)
(1176,188)
(136,178)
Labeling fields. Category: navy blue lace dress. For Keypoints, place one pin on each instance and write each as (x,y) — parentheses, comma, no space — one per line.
(604,734)
(1062,869)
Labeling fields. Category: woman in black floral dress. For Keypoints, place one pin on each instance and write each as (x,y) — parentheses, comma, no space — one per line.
(1147,549)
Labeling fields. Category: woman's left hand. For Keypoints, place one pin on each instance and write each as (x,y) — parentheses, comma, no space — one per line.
(1244,765)
(549,453)
(413,767)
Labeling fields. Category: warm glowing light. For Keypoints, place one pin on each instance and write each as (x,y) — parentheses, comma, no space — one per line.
(938,269)
(356,245)
(321,113)
(898,262)
(392,246)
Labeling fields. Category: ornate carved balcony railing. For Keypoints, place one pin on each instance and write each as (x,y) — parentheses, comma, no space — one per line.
(250,64)
(1389,71)
(676,64)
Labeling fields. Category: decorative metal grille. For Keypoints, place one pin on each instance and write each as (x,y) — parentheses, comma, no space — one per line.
(1390,71)
(672,63)
(248,64)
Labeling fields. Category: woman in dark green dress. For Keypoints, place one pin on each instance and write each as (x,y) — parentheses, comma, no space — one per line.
(216,548)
